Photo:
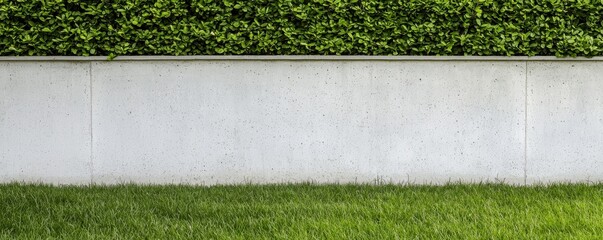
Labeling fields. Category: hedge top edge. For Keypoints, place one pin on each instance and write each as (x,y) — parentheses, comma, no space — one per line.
(299,27)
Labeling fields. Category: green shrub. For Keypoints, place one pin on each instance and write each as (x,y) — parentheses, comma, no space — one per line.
(346,27)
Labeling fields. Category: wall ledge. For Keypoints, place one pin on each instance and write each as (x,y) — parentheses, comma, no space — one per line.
(294,58)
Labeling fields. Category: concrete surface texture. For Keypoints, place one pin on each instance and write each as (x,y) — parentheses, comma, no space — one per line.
(225,121)
(45,122)
(565,121)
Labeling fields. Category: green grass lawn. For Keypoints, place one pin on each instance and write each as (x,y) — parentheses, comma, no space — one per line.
(302,211)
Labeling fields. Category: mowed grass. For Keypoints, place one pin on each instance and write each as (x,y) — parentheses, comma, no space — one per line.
(302,211)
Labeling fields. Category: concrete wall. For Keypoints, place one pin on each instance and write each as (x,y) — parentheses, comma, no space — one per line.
(565,121)
(45,122)
(213,120)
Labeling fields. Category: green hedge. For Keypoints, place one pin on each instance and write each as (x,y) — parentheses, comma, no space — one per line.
(346,27)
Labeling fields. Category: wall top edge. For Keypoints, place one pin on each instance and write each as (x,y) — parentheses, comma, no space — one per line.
(296,58)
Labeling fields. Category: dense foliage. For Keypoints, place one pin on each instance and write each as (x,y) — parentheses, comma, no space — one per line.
(347,27)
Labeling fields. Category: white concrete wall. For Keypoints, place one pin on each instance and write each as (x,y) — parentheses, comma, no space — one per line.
(565,121)
(45,122)
(292,119)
